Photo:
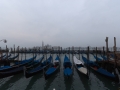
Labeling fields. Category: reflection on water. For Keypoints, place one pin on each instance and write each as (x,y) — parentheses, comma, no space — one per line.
(85,81)
(11,81)
(49,82)
(109,84)
(33,80)
(58,81)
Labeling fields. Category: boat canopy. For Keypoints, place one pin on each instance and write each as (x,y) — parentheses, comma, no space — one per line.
(57,58)
(76,61)
(66,59)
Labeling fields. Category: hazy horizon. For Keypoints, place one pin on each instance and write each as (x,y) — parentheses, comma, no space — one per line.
(64,23)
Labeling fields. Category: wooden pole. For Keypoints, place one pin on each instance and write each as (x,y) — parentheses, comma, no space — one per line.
(25,53)
(88,53)
(6,52)
(52,53)
(107,47)
(88,68)
(14,49)
(33,51)
(69,52)
(11,50)
(0,53)
(116,68)
(79,53)
(22,54)
(73,49)
(46,52)
(103,51)
(18,53)
(39,50)
(72,52)
(115,52)
(96,55)
(61,49)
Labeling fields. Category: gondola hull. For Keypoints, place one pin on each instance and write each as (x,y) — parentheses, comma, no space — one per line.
(100,70)
(14,71)
(67,67)
(39,70)
(106,76)
(54,68)
(8,68)
(80,67)
(80,73)
(41,67)
(54,72)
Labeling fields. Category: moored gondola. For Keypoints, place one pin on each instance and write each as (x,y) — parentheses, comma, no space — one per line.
(17,64)
(33,71)
(95,67)
(55,66)
(15,70)
(80,67)
(67,67)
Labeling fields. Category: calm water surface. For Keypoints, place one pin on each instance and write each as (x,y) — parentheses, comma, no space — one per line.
(58,81)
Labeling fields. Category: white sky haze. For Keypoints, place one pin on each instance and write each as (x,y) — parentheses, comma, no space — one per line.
(59,22)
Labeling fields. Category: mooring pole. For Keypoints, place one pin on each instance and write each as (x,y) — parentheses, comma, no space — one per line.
(14,50)
(116,68)
(69,52)
(107,64)
(25,53)
(39,50)
(73,51)
(103,51)
(0,53)
(107,47)
(18,53)
(52,54)
(6,52)
(59,50)
(115,64)
(46,52)
(88,53)
(22,54)
(79,53)
(96,55)
(88,68)
(103,63)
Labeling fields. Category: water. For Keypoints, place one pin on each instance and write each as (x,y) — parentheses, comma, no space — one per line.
(58,81)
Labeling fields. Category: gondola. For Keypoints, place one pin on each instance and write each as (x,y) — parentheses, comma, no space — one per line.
(17,64)
(55,67)
(67,67)
(97,58)
(95,67)
(80,67)
(15,70)
(2,56)
(6,57)
(35,63)
(104,57)
(12,58)
(33,71)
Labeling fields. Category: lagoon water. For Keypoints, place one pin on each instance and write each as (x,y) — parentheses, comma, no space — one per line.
(58,81)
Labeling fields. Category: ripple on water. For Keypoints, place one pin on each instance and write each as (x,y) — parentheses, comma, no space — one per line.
(58,81)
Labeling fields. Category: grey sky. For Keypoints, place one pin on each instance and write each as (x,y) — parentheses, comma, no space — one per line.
(59,22)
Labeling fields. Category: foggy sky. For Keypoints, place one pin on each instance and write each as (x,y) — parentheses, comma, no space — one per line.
(59,22)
